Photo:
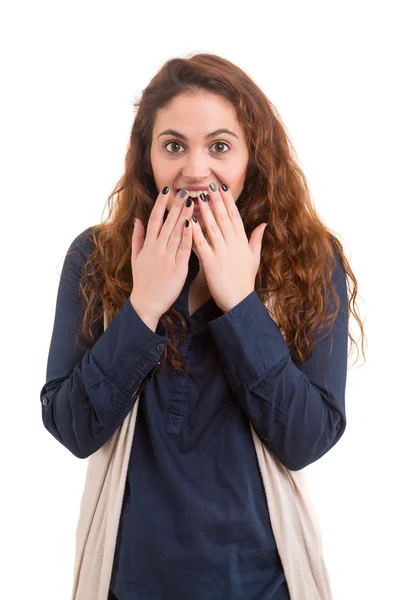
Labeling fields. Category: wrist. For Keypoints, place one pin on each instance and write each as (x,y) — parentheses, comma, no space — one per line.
(149,317)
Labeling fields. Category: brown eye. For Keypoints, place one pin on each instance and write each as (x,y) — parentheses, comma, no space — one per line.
(174,144)
(220,144)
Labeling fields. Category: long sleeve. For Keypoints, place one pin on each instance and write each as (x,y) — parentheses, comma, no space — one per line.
(89,392)
(297,411)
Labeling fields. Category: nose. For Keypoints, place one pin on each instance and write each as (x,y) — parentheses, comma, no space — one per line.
(196,166)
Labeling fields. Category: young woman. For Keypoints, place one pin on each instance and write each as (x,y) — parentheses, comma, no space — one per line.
(228,314)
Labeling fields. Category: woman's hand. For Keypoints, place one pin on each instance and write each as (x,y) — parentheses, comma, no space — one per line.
(229,260)
(160,257)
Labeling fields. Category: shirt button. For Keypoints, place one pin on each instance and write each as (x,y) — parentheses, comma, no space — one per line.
(44,401)
(160,347)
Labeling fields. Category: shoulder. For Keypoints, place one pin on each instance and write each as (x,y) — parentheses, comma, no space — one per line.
(78,253)
(83,243)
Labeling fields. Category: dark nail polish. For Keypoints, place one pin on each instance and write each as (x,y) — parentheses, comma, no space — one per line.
(224,187)
(194,218)
(165,190)
(213,187)
(203,196)
(186,223)
(182,193)
(188,202)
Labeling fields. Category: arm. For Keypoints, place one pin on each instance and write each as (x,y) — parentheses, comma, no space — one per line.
(89,392)
(298,412)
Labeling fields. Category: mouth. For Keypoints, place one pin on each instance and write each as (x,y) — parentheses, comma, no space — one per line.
(197,198)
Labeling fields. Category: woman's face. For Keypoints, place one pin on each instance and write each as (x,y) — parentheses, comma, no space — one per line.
(199,154)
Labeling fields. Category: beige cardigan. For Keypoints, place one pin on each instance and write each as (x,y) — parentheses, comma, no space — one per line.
(294,523)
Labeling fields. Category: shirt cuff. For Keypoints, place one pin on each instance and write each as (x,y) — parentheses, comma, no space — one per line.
(128,348)
(248,340)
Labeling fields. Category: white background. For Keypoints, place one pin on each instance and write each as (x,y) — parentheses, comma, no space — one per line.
(70,74)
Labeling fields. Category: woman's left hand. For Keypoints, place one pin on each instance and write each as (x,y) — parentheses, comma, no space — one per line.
(230,261)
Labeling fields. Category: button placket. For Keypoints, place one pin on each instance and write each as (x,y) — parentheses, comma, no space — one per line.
(178,404)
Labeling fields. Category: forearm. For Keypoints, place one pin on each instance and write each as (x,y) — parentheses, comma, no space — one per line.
(83,408)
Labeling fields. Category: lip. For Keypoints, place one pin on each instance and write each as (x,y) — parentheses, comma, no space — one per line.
(194,188)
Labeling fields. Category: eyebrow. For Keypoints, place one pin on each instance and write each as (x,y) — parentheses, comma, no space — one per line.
(206,137)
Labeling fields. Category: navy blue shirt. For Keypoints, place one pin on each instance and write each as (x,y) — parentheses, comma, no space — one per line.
(194,521)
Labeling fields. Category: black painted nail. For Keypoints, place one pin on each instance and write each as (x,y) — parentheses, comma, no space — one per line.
(203,196)
(165,190)
(213,187)
(183,193)
(186,223)
(194,218)
(188,202)
(224,187)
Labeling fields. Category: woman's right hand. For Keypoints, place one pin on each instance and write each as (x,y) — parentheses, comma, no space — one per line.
(160,257)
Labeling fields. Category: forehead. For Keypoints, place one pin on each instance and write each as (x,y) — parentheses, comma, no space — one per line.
(197,114)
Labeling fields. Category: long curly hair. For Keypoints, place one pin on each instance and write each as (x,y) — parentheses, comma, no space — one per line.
(298,249)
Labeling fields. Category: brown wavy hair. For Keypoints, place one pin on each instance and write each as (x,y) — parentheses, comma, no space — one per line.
(297,255)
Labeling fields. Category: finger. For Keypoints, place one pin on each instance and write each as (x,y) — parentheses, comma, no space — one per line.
(222,214)
(138,236)
(211,226)
(185,247)
(155,222)
(232,210)
(175,239)
(202,245)
(172,219)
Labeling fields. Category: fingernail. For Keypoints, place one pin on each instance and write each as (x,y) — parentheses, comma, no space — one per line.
(186,223)
(182,193)
(188,202)
(213,187)
(165,190)
(194,218)
(224,187)
(203,196)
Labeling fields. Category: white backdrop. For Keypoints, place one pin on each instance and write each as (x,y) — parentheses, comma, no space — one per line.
(70,74)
